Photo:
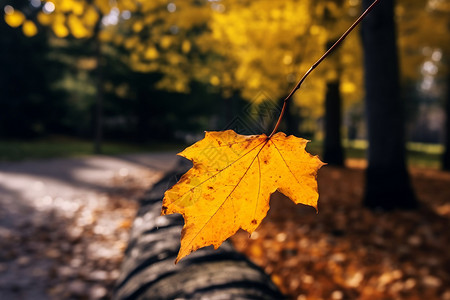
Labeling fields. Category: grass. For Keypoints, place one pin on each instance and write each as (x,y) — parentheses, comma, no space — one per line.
(17,150)
(418,154)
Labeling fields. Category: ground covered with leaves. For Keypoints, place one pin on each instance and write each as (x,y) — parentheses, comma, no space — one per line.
(349,252)
(344,252)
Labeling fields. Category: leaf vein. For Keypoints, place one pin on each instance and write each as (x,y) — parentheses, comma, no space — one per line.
(220,171)
(231,192)
(282,157)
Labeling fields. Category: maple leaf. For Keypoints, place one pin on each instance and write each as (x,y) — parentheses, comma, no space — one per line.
(230,184)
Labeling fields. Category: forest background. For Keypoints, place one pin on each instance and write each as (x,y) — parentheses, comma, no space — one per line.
(151,72)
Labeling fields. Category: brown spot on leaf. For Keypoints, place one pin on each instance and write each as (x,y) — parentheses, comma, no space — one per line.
(164,209)
(253,221)
(185,180)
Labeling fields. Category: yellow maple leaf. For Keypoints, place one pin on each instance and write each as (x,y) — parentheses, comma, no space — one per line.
(230,184)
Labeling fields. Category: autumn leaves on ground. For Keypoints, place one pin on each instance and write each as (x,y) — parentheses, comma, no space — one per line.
(349,252)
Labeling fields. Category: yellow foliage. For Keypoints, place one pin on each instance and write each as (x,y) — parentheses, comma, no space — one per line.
(44,19)
(104,6)
(230,184)
(214,80)
(165,42)
(261,37)
(90,17)
(76,17)
(128,5)
(174,58)
(422,25)
(15,18)
(272,43)
(173,82)
(151,53)
(70,6)
(348,87)
(138,26)
(60,30)
(131,42)
(311,96)
(149,5)
(76,27)
(257,45)
(186,46)
(29,28)
(287,59)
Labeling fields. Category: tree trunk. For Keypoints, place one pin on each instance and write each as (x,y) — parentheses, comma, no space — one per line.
(291,121)
(98,136)
(446,156)
(387,181)
(292,118)
(148,269)
(333,153)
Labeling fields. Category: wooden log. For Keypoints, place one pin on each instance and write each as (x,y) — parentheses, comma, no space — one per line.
(148,269)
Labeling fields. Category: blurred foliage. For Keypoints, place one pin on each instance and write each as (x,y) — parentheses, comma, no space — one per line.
(28,104)
(423,37)
(171,65)
(273,42)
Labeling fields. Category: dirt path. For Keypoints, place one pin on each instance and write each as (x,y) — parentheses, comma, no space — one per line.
(64,222)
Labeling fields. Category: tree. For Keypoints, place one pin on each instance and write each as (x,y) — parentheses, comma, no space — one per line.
(425,48)
(150,37)
(81,20)
(29,107)
(446,156)
(387,181)
(343,76)
(271,43)
(232,46)
(333,151)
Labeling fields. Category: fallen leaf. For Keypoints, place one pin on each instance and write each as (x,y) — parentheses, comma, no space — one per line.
(230,184)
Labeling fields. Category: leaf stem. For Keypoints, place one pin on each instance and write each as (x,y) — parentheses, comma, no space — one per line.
(297,86)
